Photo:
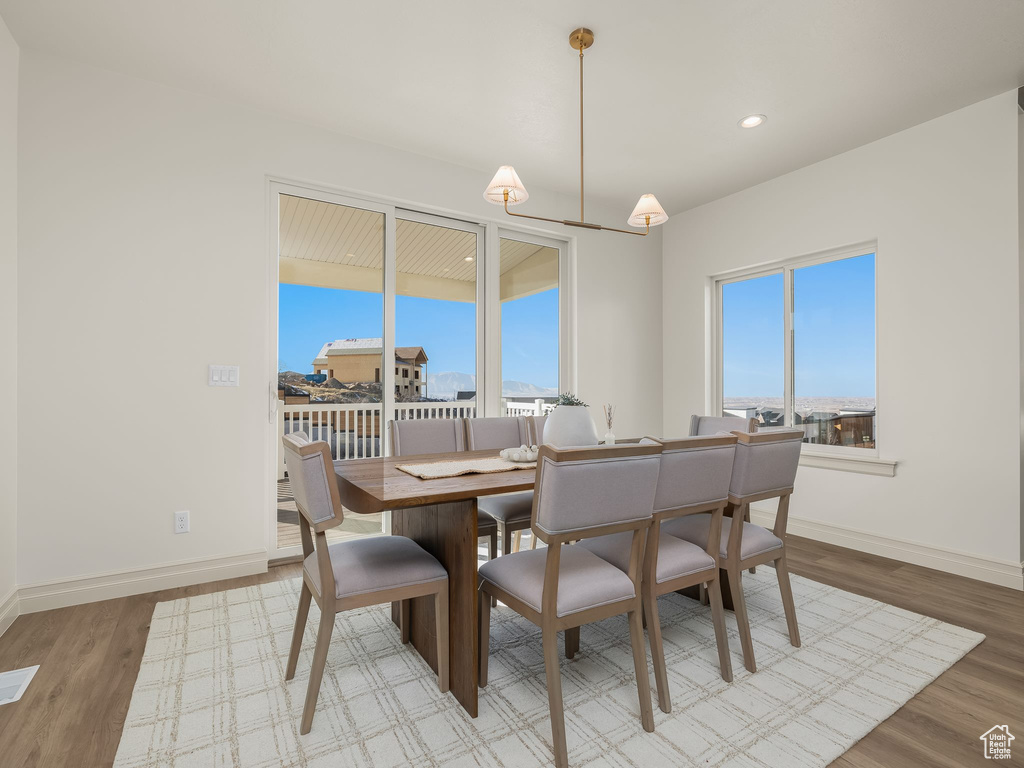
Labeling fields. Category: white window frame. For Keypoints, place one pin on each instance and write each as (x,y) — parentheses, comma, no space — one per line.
(846,458)
(488,304)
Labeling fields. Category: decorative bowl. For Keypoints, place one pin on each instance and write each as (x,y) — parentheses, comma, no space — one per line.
(523,454)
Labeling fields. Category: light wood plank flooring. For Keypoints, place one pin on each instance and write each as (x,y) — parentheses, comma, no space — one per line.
(73,712)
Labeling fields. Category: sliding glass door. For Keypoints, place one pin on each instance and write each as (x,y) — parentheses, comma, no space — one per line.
(330,340)
(385,313)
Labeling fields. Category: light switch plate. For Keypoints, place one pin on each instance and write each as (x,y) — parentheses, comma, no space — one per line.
(223,375)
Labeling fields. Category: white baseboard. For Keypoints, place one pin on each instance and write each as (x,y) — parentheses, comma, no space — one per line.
(9,610)
(105,586)
(1005,573)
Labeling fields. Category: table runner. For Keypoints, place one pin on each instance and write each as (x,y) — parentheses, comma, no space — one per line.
(438,469)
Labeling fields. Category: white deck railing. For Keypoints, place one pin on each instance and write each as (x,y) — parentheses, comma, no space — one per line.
(354,430)
(536,408)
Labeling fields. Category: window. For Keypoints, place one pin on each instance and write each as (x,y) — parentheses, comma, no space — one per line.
(797,348)
(376,375)
(529,321)
(405,373)
(416,374)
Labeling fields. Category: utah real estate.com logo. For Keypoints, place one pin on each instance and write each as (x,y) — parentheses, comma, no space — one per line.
(997,742)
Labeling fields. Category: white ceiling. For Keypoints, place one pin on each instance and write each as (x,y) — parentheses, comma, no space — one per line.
(488,83)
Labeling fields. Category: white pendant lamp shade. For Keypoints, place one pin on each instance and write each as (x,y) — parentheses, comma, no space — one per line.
(506,178)
(647,206)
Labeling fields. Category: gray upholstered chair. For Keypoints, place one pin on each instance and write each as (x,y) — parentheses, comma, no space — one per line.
(510,511)
(350,574)
(765,468)
(535,426)
(694,479)
(711,425)
(410,437)
(580,493)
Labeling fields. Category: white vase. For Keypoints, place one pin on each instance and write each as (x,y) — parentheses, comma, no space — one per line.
(570,426)
(609,438)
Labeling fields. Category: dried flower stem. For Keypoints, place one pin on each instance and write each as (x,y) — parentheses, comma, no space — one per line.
(609,414)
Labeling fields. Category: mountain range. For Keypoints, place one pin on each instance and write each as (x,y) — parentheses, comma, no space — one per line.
(449,383)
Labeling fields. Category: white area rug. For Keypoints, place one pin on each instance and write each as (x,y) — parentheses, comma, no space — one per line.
(211,688)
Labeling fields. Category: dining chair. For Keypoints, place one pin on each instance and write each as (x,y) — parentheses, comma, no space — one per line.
(765,468)
(411,437)
(694,479)
(353,573)
(510,511)
(535,426)
(711,425)
(580,493)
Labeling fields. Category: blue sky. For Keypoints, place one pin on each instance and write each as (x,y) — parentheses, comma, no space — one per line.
(833,330)
(446,330)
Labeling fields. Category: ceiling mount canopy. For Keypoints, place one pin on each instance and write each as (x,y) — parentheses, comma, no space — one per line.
(507,189)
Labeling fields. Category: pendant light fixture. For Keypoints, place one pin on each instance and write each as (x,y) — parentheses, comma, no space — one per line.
(507,189)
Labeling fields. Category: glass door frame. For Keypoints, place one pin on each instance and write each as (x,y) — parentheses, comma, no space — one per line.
(566,306)
(275,190)
(461,225)
(488,308)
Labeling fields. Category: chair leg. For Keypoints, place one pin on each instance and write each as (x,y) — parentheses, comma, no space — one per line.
(316,674)
(643,682)
(506,542)
(300,629)
(554,676)
(516,540)
(572,642)
(485,636)
(703,592)
(533,540)
(746,519)
(721,636)
(492,546)
(739,607)
(405,621)
(441,628)
(657,649)
(782,572)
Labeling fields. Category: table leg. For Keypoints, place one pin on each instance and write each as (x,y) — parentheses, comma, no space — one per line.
(723,578)
(449,533)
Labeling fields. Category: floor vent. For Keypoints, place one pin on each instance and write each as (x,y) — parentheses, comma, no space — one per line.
(13,684)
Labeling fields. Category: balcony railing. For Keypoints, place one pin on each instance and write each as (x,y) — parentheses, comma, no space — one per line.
(536,408)
(353,430)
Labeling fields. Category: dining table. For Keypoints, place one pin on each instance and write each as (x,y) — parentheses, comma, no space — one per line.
(441,516)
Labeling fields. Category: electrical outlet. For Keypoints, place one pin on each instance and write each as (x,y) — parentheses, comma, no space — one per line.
(181,522)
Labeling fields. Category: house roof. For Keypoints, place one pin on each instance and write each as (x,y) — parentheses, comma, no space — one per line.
(413,355)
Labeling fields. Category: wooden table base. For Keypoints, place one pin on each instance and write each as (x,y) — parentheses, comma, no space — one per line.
(448,532)
(723,578)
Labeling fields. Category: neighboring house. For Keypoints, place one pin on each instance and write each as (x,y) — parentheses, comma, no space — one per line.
(359,360)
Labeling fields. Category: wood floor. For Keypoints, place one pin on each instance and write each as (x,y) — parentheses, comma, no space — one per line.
(73,712)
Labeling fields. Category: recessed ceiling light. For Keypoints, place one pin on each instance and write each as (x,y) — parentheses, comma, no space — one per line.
(752,121)
(469,258)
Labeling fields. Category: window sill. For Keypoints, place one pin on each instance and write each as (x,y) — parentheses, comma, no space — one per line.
(864,465)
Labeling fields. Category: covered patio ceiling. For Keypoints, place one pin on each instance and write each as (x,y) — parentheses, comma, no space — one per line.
(336,246)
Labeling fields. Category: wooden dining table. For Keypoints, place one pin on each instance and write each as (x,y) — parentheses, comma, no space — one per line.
(441,516)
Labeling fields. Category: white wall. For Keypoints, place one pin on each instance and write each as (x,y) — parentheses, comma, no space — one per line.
(941,200)
(8,314)
(143,226)
(1020,245)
